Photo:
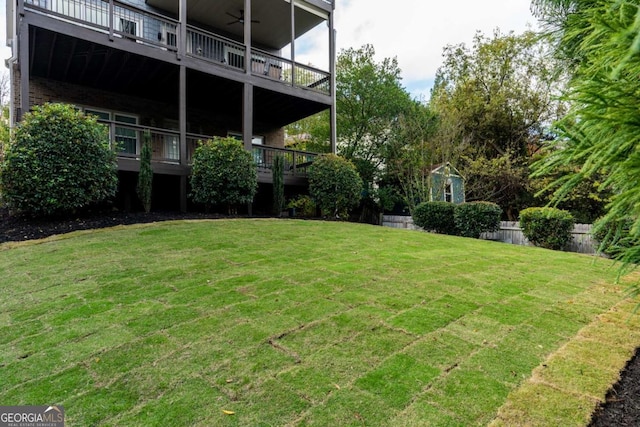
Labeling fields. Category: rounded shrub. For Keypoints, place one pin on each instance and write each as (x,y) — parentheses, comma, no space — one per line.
(547,227)
(223,173)
(475,218)
(335,185)
(436,216)
(59,161)
(304,206)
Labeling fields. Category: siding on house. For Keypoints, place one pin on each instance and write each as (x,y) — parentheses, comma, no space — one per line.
(186,77)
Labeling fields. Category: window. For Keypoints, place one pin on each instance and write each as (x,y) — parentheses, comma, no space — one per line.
(258,153)
(126,137)
(448,191)
(171,144)
(130,27)
(168,36)
(256,140)
(101,115)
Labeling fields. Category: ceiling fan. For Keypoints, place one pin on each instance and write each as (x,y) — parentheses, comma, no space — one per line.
(240,19)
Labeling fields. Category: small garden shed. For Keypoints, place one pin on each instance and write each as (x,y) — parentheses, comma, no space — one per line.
(447,185)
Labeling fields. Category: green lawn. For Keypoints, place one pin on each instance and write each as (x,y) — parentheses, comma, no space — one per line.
(296,323)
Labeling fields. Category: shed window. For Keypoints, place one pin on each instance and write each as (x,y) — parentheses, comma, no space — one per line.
(448,191)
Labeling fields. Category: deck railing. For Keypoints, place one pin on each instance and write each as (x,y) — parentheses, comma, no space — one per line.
(153,29)
(127,139)
(295,162)
(271,66)
(214,48)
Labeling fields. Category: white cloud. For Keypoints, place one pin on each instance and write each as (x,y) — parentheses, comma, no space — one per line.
(416,31)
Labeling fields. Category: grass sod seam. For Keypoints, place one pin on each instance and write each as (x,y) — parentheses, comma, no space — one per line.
(552,399)
(270,286)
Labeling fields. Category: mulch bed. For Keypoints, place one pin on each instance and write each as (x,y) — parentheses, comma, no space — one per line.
(622,406)
(16,229)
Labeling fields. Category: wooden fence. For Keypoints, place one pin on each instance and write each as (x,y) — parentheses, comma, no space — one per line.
(510,232)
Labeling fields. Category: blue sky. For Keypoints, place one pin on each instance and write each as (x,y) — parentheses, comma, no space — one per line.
(416,31)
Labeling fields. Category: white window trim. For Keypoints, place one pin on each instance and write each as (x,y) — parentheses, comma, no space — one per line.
(448,185)
(112,120)
(165,35)
(256,139)
(139,22)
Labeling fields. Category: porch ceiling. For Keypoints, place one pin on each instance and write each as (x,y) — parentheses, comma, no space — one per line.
(273,31)
(61,57)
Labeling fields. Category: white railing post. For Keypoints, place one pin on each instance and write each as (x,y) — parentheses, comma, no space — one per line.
(111,19)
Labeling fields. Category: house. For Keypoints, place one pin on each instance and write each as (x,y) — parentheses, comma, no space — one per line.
(447,184)
(187,70)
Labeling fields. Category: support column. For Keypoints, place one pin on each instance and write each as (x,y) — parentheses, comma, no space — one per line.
(293,43)
(247,36)
(332,69)
(247,116)
(182,29)
(247,97)
(111,19)
(182,119)
(23,62)
(247,124)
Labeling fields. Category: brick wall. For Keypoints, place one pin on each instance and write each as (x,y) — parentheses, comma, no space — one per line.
(151,113)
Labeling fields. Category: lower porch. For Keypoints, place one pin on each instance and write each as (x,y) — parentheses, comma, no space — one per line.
(166,157)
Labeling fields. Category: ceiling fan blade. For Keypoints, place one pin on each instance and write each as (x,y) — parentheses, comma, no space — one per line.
(233,22)
(255,21)
(234,16)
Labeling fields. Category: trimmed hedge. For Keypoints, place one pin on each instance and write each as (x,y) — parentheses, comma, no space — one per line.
(436,216)
(59,161)
(223,173)
(335,185)
(547,227)
(475,218)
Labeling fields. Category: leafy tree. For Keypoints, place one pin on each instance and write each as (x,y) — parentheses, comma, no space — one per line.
(503,180)
(413,153)
(59,161)
(5,130)
(586,201)
(601,132)
(145,176)
(335,185)
(369,99)
(310,134)
(223,173)
(495,102)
